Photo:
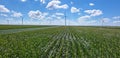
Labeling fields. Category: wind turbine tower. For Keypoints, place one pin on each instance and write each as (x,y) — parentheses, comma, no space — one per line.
(8,22)
(65,19)
(22,20)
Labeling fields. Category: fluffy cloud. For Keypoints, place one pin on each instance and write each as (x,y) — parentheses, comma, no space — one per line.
(23,0)
(16,14)
(105,20)
(84,17)
(91,4)
(94,12)
(74,10)
(37,15)
(58,22)
(92,21)
(55,4)
(59,14)
(3,9)
(116,22)
(86,20)
(5,15)
(13,13)
(116,17)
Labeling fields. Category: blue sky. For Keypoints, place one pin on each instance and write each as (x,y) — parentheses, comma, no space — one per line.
(51,12)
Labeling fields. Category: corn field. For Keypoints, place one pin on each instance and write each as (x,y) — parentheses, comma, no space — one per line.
(62,42)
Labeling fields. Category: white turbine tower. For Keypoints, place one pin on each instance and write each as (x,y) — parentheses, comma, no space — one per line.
(103,22)
(22,20)
(7,21)
(65,19)
(50,21)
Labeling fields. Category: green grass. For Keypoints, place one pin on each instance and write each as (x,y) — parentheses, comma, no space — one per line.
(61,42)
(6,27)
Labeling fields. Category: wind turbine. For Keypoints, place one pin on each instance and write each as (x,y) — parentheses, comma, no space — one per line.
(102,22)
(65,18)
(50,21)
(22,20)
(7,21)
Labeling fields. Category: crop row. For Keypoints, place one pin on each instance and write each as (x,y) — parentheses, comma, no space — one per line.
(62,42)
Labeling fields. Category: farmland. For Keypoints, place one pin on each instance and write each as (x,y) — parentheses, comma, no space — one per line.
(20,28)
(62,42)
(6,27)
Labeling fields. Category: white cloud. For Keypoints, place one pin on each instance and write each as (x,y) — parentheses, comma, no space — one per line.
(116,22)
(72,22)
(86,20)
(74,10)
(116,17)
(59,22)
(3,9)
(45,13)
(94,12)
(92,21)
(53,15)
(37,15)
(84,17)
(105,20)
(91,4)
(59,14)
(16,14)
(5,15)
(55,4)
(58,17)
(23,0)
(42,1)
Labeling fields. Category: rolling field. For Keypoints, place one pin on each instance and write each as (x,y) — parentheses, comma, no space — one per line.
(62,42)
(7,27)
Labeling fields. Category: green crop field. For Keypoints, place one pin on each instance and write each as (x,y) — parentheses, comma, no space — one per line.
(62,42)
(6,27)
